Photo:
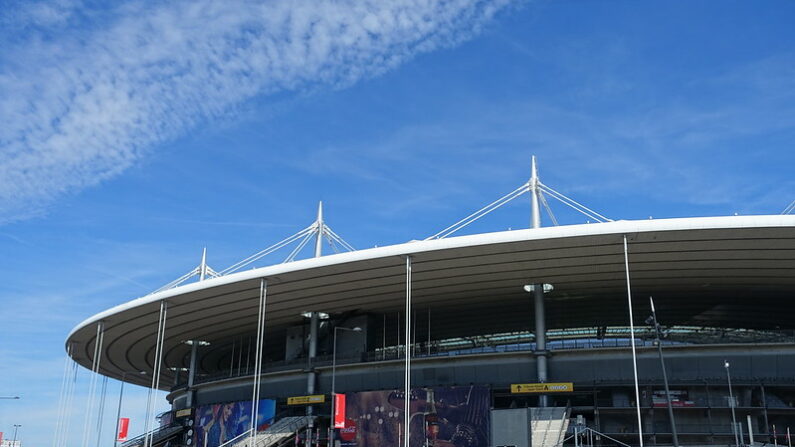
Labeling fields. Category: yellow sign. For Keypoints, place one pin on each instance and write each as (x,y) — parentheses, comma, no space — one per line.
(183,413)
(306,400)
(541,388)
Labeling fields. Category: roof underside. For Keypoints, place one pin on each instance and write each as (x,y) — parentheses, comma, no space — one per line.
(719,272)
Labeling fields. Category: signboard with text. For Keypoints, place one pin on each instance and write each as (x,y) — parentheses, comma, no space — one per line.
(306,400)
(542,388)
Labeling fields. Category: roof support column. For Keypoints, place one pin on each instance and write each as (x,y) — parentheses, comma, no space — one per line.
(541,339)
(194,350)
(157,363)
(255,393)
(407,371)
(98,342)
(311,377)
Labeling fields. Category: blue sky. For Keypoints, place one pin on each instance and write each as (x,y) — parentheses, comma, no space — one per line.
(136,133)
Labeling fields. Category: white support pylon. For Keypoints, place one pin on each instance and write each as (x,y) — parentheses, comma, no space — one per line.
(203,265)
(319,229)
(535,193)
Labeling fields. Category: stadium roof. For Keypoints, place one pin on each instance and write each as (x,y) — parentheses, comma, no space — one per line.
(735,271)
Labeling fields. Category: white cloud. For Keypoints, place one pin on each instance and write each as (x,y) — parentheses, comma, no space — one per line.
(83,106)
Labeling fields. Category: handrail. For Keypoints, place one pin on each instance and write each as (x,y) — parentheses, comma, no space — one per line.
(236,438)
(153,432)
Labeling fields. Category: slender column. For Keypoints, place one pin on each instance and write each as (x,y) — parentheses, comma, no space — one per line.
(750,430)
(93,383)
(632,339)
(263,293)
(407,371)
(764,408)
(56,440)
(118,412)
(658,342)
(156,365)
(429,331)
(541,340)
(101,412)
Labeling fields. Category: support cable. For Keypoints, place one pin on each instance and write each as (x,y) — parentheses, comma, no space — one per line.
(789,209)
(336,237)
(573,204)
(481,212)
(257,256)
(542,188)
(299,247)
(179,280)
(549,210)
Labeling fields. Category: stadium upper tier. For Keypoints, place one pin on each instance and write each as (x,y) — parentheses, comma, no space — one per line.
(716,272)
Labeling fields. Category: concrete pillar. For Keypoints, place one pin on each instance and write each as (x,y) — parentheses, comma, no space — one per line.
(541,339)
(194,350)
(311,378)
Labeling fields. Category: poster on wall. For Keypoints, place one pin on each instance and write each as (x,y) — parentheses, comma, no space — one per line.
(440,417)
(218,423)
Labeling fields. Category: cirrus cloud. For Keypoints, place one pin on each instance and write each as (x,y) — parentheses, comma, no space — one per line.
(81,104)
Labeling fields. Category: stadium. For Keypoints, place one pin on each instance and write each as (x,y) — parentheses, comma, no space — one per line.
(517,338)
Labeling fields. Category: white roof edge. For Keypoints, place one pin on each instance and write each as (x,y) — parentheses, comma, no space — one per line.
(413,247)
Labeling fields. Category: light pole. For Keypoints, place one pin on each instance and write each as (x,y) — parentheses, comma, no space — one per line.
(118,412)
(334,374)
(674,436)
(731,403)
(14,442)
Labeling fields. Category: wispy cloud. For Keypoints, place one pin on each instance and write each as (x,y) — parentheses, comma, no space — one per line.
(83,105)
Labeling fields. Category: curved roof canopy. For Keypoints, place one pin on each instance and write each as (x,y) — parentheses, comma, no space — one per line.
(736,271)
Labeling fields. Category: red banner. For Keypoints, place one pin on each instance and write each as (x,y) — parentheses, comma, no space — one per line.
(339,411)
(124,425)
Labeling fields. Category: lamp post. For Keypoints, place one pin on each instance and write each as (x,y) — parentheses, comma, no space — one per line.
(731,403)
(653,318)
(334,374)
(118,412)
(16,427)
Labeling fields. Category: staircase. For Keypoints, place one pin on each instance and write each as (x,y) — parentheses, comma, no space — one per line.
(548,426)
(277,433)
(159,436)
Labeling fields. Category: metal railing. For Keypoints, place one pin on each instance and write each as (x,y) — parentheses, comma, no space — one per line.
(570,339)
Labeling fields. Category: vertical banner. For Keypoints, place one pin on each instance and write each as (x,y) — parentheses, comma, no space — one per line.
(124,425)
(339,410)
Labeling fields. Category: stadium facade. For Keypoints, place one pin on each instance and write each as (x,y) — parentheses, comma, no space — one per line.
(527,325)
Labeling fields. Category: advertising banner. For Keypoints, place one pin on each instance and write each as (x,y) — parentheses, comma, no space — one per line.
(124,426)
(339,411)
(440,417)
(218,423)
